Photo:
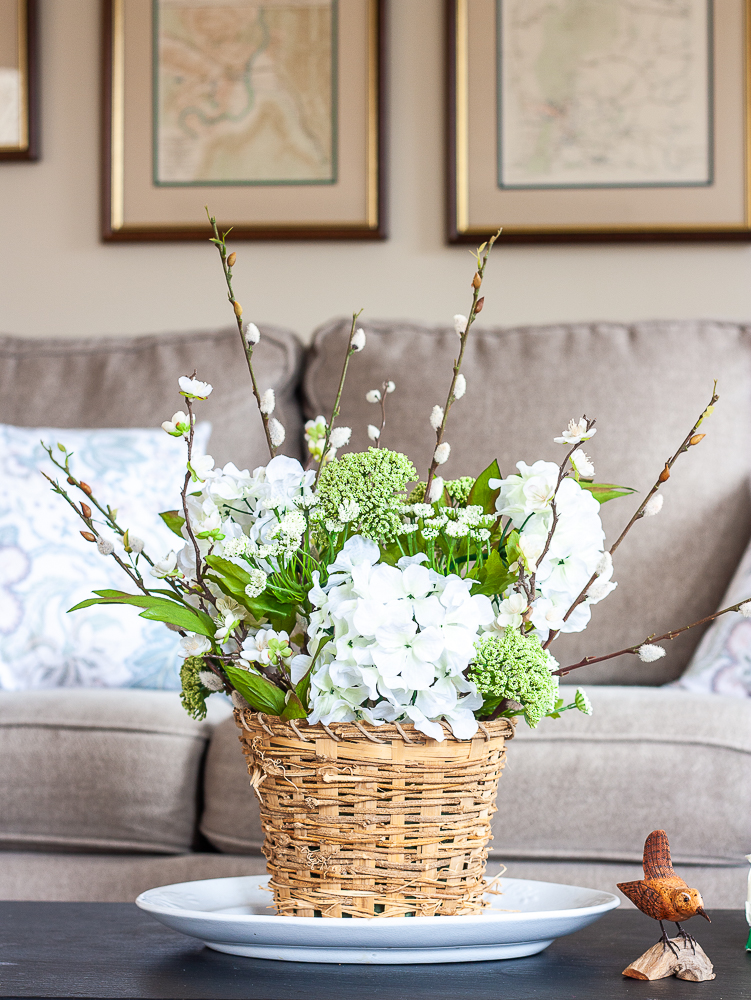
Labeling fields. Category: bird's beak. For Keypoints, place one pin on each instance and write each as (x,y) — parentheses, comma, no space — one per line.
(703,913)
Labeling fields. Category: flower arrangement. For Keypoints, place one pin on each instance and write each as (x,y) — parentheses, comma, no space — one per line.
(353,590)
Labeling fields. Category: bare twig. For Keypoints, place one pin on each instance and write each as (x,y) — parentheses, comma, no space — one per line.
(650,639)
(477,304)
(662,478)
(221,245)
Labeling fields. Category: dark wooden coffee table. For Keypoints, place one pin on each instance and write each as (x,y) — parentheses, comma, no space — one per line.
(115,950)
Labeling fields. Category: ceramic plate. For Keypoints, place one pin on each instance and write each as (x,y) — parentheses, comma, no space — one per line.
(233,915)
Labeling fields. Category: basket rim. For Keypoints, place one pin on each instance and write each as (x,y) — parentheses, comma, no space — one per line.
(389,732)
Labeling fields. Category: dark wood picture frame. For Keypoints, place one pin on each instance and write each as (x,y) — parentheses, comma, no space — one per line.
(28,149)
(377,88)
(456,11)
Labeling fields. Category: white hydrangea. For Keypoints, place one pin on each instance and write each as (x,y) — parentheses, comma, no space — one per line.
(401,636)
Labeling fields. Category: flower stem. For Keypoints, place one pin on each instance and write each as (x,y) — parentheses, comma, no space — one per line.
(335,412)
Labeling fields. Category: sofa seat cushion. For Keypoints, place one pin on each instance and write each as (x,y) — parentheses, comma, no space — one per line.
(100,770)
(591,788)
(645,384)
(231,819)
(132,382)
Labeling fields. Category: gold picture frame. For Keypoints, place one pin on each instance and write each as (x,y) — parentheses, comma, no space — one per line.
(18,80)
(694,185)
(162,161)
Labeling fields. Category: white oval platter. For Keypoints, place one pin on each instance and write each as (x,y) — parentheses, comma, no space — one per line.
(234,915)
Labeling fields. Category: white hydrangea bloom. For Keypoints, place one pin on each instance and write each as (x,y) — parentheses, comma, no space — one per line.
(511,612)
(399,635)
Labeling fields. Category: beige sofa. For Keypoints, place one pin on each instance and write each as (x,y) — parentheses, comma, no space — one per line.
(104,793)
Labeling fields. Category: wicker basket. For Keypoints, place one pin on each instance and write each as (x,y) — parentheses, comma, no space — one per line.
(364,821)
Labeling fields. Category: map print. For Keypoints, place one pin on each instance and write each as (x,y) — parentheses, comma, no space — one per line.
(244,92)
(604,93)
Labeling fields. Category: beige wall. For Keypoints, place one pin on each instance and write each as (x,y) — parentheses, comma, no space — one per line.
(57,279)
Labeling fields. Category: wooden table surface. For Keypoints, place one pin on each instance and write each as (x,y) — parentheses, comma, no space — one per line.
(116,950)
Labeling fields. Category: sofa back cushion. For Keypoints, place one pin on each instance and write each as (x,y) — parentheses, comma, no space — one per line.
(132,382)
(96,770)
(645,384)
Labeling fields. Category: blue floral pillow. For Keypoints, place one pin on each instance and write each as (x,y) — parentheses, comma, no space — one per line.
(46,567)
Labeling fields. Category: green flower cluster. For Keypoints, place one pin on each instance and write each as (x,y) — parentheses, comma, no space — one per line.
(459,490)
(194,694)
(368,485)
(516,667)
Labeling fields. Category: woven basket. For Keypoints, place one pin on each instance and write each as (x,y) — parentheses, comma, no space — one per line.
(364,821)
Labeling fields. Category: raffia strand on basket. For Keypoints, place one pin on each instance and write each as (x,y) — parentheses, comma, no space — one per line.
(365,821)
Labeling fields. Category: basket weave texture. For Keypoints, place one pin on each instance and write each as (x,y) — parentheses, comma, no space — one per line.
(364,821)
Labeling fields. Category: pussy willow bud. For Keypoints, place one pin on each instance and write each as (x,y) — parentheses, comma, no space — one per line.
(477,280)
(238,308)
(697,438)
(88,536)
(231,259)
(665,474)
(480,304)
(86,488)
(85,509)
(71,480)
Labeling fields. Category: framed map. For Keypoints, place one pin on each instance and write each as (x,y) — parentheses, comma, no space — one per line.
(269,110)
(598,119)
(18,80)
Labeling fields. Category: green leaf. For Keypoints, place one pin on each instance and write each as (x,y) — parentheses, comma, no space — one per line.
(260,694)
(294,708)
(494,577)
(481,493)
(174,521)
(602,492)
(156,609)
(229,569)
(282,616)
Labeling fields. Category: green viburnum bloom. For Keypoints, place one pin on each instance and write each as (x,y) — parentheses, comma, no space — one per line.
(194,694)
(376,480)
(516,667)
(459,490)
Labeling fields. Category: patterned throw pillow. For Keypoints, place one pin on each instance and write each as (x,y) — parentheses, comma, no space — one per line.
(46,567)
(722,661)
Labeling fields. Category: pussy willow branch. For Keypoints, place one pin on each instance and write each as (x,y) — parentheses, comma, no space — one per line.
(335,412)
(684,446)
(221,245)
(650,639)
(476,302)
(132,572)
(106,513)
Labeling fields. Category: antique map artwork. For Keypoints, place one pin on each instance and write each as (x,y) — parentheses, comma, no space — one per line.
(244,91)
(604,93)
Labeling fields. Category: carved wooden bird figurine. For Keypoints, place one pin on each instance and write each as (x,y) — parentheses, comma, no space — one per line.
(661,894)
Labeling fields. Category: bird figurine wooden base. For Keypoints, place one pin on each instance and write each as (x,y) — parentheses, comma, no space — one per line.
(663,895)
